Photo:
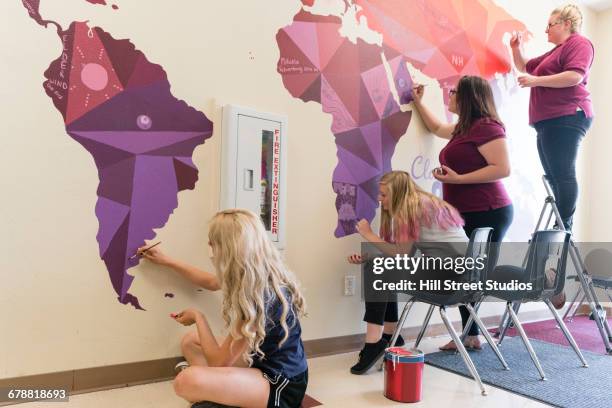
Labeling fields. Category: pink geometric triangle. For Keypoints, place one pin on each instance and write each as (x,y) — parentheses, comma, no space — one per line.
(146,73)
(331,103)
(439,67)
(471,68)
(92,78)
(377,86)
(421,56)
(304,35)
(329,40)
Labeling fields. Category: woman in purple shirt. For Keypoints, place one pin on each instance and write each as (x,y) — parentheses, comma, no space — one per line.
(472,165)
(560,106)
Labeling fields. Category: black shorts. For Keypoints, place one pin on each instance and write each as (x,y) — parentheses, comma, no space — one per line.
(287,392)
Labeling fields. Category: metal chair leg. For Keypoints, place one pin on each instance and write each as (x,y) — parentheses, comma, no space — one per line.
(566,332)
(466,358)
(526,341)
(466,329)
(502,323)
(400,323)
(516,305)
(398,328)
(424,326)
(487,336)
(596,309)
(578,307)
(572,303)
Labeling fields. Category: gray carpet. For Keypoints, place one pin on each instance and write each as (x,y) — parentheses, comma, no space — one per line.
(568,385)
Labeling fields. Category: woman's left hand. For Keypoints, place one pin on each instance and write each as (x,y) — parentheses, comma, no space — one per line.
(186,317)
(528,81)
(363,228)
(447,175)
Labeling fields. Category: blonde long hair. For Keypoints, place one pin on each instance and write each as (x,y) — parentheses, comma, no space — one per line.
(410,207)
(251,272)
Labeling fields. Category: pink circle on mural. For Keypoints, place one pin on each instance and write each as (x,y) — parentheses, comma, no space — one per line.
(94,76)
(144,122)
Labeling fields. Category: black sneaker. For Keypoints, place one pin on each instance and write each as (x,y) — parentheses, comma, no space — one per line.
(399,342)
(368,356)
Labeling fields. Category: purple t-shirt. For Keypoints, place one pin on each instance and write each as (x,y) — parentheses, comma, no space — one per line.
(461,154)
(575,54)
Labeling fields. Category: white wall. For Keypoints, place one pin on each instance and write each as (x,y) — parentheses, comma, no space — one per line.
(597,203)
(57,308)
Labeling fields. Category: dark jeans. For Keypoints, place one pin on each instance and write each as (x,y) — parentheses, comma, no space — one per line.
(558,142)
(380,312)
(498,219)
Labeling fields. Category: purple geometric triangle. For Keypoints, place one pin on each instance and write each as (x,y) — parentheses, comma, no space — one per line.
(184,148)
(353,142)
(154,198)
(343,174)
(186,161)
(113,215)
(370,187)
(115,254)
(367,110)
(372,136)
(116,181)
(391,107)
(104,155)
(403,81)
(139,142)
(366,206)
(186,176)
(359,169)
(388,145)
(154,102)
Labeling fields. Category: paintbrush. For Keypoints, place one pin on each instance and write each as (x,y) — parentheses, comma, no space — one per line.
(144,250)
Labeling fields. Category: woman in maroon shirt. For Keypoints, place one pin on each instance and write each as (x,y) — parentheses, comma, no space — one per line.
(472,165)
(560,106)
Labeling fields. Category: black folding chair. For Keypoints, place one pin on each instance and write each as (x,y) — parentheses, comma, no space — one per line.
(545,271)
(478,246)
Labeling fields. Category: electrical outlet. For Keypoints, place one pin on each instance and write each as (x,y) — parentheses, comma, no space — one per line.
(349,285)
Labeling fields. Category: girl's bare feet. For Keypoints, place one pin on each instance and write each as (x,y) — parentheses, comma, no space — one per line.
(450,346)
(470,342)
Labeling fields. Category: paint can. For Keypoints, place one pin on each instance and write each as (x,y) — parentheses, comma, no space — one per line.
(403,374)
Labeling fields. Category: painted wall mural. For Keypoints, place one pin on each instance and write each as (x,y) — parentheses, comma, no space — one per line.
(119,107)
(444,40)
(350,82)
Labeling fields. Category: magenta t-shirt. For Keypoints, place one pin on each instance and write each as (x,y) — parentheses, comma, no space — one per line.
(575,54)
(461,155)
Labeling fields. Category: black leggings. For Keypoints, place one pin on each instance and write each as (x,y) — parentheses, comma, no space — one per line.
(498,219)
(558,142)
(380,312)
